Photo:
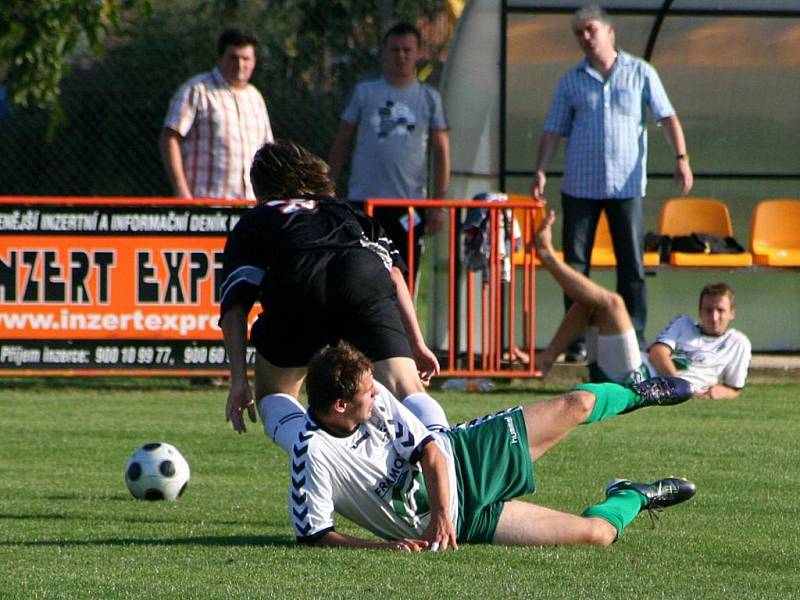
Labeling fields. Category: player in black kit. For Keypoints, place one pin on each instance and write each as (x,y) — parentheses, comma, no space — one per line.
(323,271)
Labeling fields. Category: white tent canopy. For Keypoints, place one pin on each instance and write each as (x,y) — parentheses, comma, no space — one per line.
(732,71)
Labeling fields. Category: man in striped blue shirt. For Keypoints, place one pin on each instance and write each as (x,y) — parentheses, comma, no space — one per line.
(600,107)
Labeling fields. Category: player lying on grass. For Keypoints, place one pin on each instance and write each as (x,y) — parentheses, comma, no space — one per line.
(323,271)
(359,452)
(710,354)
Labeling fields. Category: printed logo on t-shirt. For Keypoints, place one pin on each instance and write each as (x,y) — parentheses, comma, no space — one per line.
(393,118)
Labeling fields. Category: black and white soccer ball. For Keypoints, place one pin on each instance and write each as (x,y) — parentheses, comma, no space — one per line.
(157,471)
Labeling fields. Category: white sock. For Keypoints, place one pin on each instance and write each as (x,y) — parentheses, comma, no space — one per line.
(283,417)
(427,410)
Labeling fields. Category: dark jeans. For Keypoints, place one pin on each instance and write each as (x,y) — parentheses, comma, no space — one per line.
(389,219)
(626,223)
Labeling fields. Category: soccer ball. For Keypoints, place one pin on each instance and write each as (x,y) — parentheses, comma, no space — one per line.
(157,471)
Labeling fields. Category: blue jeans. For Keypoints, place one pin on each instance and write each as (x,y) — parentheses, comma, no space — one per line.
(626,223)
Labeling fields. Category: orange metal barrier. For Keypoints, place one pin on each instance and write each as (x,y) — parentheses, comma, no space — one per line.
(101,286)
(490,323)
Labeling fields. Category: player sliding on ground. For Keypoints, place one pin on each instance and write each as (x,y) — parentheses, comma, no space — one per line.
(712,356)
(359,452)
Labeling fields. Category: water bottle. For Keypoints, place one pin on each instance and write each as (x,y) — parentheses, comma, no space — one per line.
(462,384)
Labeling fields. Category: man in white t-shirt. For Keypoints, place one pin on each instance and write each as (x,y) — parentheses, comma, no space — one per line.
(711,355)
(391,124)
(360,453)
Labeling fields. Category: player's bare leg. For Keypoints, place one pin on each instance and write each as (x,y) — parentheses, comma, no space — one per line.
(572,327)
(401,378)
(596,305)
(271,379)
(550,421)
(525,524)
(277,393)
(399,375)
(547,423)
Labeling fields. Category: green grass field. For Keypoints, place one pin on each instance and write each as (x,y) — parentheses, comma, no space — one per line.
(69,528)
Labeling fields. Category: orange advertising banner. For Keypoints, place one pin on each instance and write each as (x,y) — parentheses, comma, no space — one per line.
(112,285)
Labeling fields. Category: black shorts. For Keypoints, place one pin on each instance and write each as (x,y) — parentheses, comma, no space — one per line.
(389,219)
(326,296)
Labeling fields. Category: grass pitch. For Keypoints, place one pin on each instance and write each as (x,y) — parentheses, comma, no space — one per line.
(69,528)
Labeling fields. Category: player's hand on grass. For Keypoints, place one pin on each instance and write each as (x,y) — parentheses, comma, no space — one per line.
(440,532)
(240,399)
(406,545)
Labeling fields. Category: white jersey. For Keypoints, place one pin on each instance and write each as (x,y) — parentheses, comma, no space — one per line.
(371,477)
(705,360)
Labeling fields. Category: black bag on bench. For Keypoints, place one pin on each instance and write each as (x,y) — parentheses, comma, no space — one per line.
(705,243)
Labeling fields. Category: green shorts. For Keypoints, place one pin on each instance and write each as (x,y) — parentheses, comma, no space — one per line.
(493,466)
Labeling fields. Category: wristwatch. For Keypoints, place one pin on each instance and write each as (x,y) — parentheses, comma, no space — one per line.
(684,156)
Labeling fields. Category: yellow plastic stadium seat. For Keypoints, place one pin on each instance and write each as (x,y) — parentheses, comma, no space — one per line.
(775,233)
(603,250)
(684,216)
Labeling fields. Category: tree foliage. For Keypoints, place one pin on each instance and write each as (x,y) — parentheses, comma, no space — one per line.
(37,37)
(310,54)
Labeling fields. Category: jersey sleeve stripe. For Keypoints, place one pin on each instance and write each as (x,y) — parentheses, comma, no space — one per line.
(247,274)
(417,453)
(310,539)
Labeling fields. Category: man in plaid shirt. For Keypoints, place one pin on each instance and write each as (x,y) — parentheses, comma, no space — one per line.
(599,106)
(215,124)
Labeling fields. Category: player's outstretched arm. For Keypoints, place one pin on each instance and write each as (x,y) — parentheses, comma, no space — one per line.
(427,364)
(440,533)
(240,396)
(334,539)
(660,356)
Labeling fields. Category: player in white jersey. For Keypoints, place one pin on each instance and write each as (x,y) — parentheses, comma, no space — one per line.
(359,452)
(710,354)
(713,357)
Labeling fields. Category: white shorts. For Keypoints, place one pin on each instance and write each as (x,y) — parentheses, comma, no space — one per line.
(617,356)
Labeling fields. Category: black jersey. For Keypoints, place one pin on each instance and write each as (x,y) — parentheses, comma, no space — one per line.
(290,240)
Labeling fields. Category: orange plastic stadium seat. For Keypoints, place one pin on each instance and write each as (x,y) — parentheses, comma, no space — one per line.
(775,233)
(518,255)
(603,250)
(684,216)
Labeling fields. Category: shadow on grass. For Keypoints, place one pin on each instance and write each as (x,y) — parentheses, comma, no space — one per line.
(145,520)
(231,541)
(167,383)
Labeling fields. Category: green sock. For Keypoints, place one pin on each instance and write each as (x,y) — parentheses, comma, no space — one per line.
(619,509)
(610,399)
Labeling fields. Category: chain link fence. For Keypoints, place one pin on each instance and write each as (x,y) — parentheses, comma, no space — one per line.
(311,53)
